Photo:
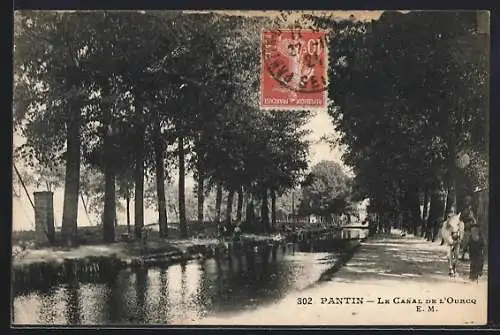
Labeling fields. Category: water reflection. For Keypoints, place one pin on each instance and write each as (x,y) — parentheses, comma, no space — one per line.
(12,309)
(141,287)
(52,302)
(73,303)
(93,302)
(115,304)
(163,299)
(177,294)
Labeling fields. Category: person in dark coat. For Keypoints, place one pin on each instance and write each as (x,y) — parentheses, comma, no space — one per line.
(468,218)
(476,252)
(436,212)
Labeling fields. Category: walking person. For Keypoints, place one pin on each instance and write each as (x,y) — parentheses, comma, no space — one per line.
(476,252)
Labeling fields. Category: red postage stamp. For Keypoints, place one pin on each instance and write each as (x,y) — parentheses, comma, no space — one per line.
(293,69)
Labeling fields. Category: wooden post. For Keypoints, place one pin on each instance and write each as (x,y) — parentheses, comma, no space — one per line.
(44,219)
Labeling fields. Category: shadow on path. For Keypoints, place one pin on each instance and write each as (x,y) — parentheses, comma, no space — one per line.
(401,258)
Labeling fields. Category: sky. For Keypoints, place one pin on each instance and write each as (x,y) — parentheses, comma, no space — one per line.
(320,125)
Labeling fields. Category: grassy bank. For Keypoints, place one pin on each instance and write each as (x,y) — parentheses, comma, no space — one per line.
(92,235)
(34,267)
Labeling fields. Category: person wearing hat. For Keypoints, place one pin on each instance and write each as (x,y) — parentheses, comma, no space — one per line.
(476,251)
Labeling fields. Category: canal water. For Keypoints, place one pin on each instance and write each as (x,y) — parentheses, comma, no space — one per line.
(177,294)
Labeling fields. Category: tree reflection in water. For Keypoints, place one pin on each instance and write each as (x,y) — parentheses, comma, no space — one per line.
(202,295)
(48,313)
(163,306)
(243,282)
(179,293)
(116,299)
(141,288)
(73,310)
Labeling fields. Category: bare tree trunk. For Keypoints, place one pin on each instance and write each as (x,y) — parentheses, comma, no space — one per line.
(139,175)
(250,210)
(426,204)
(109,215)
(182,189)
(414,203)
(160,184)
(128,209)
(273,209)
(293,211)
(72,178)
(265,212)
(246,196)
(200,193)
(451,201)
(229,208)
(436,213)
(174,207)
(218,203)
(239,208)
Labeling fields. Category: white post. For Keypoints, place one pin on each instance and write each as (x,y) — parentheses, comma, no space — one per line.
(44,218)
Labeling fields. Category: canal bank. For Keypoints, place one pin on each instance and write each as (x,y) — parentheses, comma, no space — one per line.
(178,293)
(39,268)
(405,273)
(36,268)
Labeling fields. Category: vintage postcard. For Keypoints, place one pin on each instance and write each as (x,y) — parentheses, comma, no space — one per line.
(258,168)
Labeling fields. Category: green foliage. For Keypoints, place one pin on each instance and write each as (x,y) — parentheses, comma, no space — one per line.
(326,191)
(409,92)
(155,76)
(284,202)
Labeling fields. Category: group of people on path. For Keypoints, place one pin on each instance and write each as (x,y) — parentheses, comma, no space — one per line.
(472,242)
(466,240)
(461,234)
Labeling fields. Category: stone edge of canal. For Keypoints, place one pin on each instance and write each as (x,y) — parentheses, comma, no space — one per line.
(43,274)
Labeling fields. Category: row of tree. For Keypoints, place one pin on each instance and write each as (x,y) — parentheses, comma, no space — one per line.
(411,100)
(137,94)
